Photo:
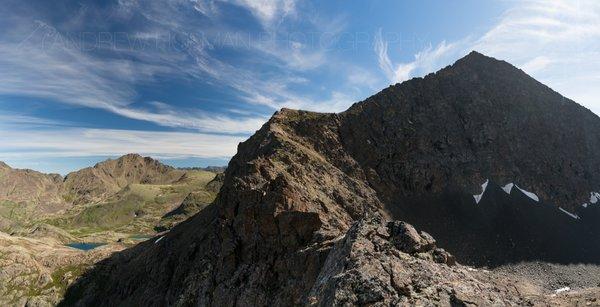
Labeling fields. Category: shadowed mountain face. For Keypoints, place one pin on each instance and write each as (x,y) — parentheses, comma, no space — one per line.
(478,119)
(417,151)
(506,227)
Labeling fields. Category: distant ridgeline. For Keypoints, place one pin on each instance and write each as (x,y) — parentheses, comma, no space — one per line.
(131,194)
(214,169)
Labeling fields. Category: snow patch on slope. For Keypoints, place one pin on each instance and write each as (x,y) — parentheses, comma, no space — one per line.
(483,187)
(594,197)
(575,216)
(529,194)
(507,188)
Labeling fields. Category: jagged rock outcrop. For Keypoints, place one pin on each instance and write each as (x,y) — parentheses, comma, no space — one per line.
(191,204)
(216,184)
(393,265)
(416,152)
(263,240)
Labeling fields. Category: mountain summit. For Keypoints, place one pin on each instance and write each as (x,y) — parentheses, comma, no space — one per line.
(479,155)
(49,193)
(475,120)
(108,177)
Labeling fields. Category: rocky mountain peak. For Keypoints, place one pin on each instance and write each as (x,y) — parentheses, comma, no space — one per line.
(417,152)
(483,118)
(130,160)
(26,186)
(474,58)
(110,176)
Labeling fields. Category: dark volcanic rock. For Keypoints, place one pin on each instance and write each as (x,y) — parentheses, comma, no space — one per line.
(278,232)
(478,119)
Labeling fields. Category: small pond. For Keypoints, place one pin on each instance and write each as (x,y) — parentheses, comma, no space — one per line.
(84,246)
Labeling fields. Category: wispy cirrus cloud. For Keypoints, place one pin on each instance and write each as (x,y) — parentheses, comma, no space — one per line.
(268,11)
(425,61)
(76,63)
(18,120)
(191,119)
(44,62)
(44,66)
(111,142)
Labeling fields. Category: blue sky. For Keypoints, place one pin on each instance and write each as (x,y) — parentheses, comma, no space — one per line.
(185,81)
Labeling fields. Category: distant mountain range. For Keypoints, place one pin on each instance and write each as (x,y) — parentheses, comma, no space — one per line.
(113,205)
(53,192)
(33,195)
(494,165)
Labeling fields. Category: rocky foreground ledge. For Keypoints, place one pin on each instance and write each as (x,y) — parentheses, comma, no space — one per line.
(392,264)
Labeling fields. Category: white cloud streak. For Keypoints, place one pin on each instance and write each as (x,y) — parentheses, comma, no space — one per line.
(425,61)
(46,68)
(202,121)
(268,11)
(110,142)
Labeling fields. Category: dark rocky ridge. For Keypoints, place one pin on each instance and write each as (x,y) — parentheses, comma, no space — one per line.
(416,152)
(479,118)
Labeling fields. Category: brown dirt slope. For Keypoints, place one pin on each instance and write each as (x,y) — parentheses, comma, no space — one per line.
(22,186)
